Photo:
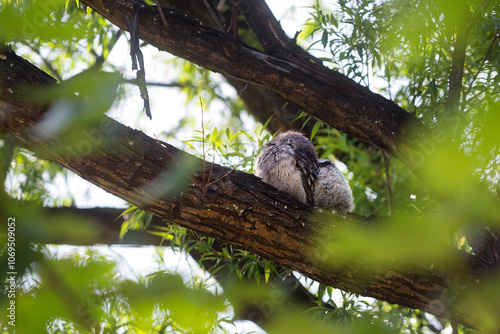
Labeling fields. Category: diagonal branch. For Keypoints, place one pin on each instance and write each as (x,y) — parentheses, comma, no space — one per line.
(238,209)
(272,37)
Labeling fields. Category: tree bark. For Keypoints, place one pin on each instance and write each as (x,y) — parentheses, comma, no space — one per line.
(230,206)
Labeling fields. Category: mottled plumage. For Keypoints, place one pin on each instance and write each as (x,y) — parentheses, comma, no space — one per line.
(331,189)
(289,163)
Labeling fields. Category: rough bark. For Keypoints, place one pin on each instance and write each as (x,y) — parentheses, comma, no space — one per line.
(238,208)
(322,93)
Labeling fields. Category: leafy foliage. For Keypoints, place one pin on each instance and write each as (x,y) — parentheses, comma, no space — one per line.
(403,49)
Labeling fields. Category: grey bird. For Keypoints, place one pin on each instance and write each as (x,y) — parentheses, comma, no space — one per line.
(289,163)
(331,189)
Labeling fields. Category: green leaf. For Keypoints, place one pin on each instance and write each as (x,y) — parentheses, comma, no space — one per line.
(315,129)
(324,38)
(36,21)
(267,272)
(239,274)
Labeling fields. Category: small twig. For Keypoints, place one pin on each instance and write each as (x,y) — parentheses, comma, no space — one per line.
(223,176)
(115,38)
(99,58)
(203,147)
(205,182)
(387,160)
(160,10)
(158,84)
(497,35)
(422,318)
(211,167)
(214,16)
(137,57)
(246,86)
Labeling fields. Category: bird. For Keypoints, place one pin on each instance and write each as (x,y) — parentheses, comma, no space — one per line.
(289,162)
(331,189)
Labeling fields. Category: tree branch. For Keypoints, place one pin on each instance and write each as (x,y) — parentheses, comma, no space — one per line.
(456,75)
(238,209)
(490,47)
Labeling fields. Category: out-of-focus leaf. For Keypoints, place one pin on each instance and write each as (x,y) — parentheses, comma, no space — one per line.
(37,21)
(191,308)
(394,243)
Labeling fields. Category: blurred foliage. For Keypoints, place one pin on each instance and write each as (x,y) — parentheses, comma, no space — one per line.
(403,49)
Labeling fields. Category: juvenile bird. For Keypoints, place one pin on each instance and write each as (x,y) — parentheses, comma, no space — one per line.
(331,189)
(289,163)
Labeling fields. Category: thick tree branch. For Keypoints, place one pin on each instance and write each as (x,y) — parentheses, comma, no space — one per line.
(323,93)
(239,209)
